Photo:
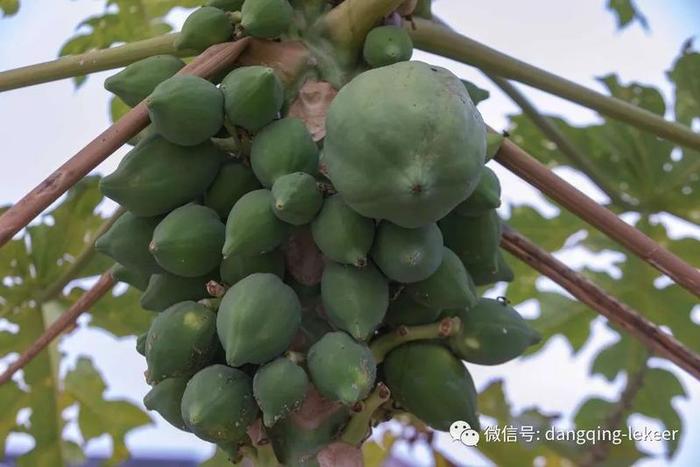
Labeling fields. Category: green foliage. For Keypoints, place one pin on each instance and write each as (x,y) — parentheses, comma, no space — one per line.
(626,12)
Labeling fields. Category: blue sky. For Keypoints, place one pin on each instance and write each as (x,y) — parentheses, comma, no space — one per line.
(43,125)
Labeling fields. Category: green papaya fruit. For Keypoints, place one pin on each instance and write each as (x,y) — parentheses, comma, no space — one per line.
(266,19)
(158,176)
(181,340)
(279,388)
(218,404)
(493,144)
(186,109)
(450,286)
(486,196)
(166,399)
(476,94)
(188,241)
(431,383)
(252,227)
(407,255)
(341,368)
(165,290)
(492,333)
(204,27)
(232,182)
(491,272)
(474,239)
(385,45)
(237,267)
(404,310)
(226,5)
(141,344)
(253,96)
(342,234)
(312,328)
(355,300)
(281,148)
(135,278)
(126,242)
(404,143)
(135,82)
(257,319)
(296,198)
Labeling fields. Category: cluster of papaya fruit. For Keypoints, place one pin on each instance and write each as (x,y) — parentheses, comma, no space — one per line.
(275,261)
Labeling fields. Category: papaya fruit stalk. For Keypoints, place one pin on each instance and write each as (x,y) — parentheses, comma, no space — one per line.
(358,428)
(444,328)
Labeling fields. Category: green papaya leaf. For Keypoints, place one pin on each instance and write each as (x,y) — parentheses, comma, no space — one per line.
(626,12)
(9,7)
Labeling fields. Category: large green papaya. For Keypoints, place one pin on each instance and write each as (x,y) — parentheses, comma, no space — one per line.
(252,227)
(158,176)
(341,233)
(279,388)
(133,277)
(450,286)
(408,255)
(165,290)
(355,300)
(226,5)
(266,19)
(404,143)
(188,241)
(166,399)
(431,383)
(281,148)
(492,333)
(486,196)
(253,96)
(491,272)
(232,182)
(181,340)
(186,109)
(237,267)
(404,310)
(257,319)
(127,241)
(296,198)
(474,239)
(385,45)
(218,404)
(135,82)
(341,368)
(204,27)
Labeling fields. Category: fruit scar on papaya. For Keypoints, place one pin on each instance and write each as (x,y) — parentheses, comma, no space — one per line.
(135,82)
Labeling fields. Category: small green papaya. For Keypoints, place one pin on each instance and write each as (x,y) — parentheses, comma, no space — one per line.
(126,242)
(266,19)
(141,344)
(253,96)
(226,5)
(404,310)
(492,271)
(474,239)
(218,404)
(257,319)
(342,234)
(186,109)
(492,333)
(450,286)
(135,278)
(204,27)
(404,143)
(407,255)
(341,368)
(232,182)
(188,241)
(486,196)
(493,144)
(281,148)
(166,399)
(158,176)
(237,267)
(181,340)
(252,227)
(431,383)
(385,45)
(279,388)
(296,198)
(355,299)
(135,82)
(165,290)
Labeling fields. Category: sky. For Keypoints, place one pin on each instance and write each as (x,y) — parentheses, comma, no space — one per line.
(42,125)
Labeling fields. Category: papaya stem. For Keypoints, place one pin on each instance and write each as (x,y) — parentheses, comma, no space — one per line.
(446,327)
(266,455)
(358,428)
(347,24)
(89,62)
